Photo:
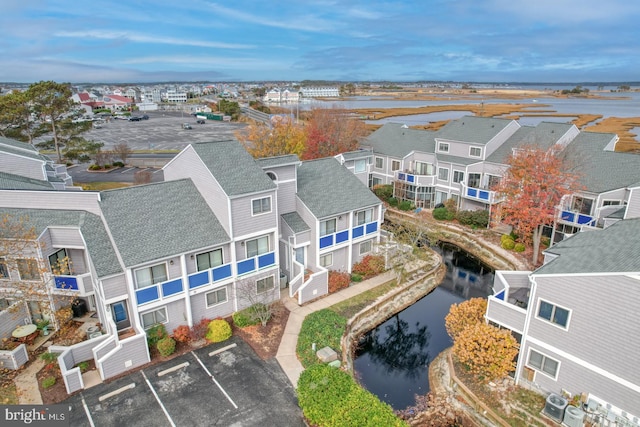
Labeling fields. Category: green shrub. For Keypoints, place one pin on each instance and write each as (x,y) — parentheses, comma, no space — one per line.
(48,382)
(248,316)
(118,164)
(405,205)
(443,214)
(95,167)
(330,397)
(324,328)
(508,244)
(519,247)
(218,330)
(545,241)
(355,277)
(475,218)
(49,357)
(505,237)
(393,201)
(83,366)
(383,191)
(166,346)
(155,334)
(370,265)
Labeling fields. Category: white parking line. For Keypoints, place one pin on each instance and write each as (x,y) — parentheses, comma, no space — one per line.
(159,401)
(127,170)
(175,368)
(116,392)
(86,410)
(220,350)
(214,380)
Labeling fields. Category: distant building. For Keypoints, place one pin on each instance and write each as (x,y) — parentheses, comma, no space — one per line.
(320,92)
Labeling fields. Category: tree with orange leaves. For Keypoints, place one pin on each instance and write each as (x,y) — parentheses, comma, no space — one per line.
(532,187)
(330,132)
(283,136)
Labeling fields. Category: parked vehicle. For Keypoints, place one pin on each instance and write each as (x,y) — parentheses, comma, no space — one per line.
(200,122)
(135,118)
(186,126)
(145,117)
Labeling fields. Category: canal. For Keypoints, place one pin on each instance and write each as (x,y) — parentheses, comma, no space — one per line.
(392,360)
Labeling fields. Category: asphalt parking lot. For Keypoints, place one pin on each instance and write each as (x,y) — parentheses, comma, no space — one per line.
(163,131)
(80,173)
(223,384)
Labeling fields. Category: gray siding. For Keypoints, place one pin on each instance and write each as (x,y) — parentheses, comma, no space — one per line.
(10,319)
(340,259)
(246,289)
(31,168)
(633,206)
(318,287)
(613,300)
(192,263)
(241,251)
(286,197)
(15,358)
(134,351)
(66,237)
(199,308)
(355,251)
(505,314)
(78,265)
(73,200)
(245,223)
(500,138)
(189,165)
(308,217)
(115,287)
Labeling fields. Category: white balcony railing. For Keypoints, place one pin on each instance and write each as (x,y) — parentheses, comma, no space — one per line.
(82,283)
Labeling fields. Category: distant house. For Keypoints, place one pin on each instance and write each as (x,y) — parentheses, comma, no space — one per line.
(117,102)
(320,92)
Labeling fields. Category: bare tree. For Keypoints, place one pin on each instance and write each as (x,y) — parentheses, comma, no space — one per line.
(123,151)
(142,177)
(258,296)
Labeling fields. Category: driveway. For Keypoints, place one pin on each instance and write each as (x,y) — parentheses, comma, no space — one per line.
(223,384)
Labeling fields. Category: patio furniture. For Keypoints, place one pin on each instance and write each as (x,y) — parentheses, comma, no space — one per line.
(26,333)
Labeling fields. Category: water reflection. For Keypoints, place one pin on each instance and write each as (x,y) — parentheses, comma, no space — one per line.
(393,359)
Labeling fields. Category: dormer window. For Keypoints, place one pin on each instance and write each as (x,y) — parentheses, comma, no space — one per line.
(261,206)
(443,147)
(475,152)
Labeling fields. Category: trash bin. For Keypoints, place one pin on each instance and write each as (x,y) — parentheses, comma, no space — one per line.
(283,280)
(79,307)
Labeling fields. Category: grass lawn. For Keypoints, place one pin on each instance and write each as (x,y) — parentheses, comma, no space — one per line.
(353,305)
(101,186)
(8,394)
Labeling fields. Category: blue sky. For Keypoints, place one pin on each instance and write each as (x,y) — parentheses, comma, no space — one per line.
(372,40)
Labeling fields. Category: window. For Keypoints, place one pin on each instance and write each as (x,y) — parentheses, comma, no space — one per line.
(458,176)
(360,165)
(443,174)
(326,260)
(379,162)
(363,217)
(263,285)
(4,269)
(475,151)
(493,181)
(151,275)
(260,206)
(443,147)
(216,297)
(424,168)
(328,227)
(375,181)
(272,176)
(542,363)
(553,314)
(365,247)
(154,317)
(59,262)
(611,203)
(582,205)
(209,260)
(474,180)
(257,246)
(395,165)
(28,269)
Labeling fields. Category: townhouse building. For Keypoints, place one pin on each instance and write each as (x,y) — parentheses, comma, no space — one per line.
(320,92)
(222,232)
(576,320)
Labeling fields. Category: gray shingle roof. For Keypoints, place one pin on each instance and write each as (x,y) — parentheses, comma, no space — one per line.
(544,135)
(288,159)
(397,140)
(26,152)
(95,235)
(17,144)
(614,249)
(601,170)
(295,222)
(328,188)
(360,154)
(477,130)
(236,171)
(10,181)
(155,221)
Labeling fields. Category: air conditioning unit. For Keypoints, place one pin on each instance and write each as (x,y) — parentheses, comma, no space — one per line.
(554,407)
(573,417)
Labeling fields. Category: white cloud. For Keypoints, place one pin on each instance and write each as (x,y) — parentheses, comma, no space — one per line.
(143,38)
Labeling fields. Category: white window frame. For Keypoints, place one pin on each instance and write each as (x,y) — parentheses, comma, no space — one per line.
(365,243)
(324,262)
(472,149)
(611,203)
(37,269)
(460,175)
(272,175)
(258,253)
(265,290)
(261,211)
(381,163)
(443,147)
(541,368)
(209,253)
(439,174)
(553,311)
(324,232)
(218,302)
(395,165)
(150,268)
(166,317)
(359,166)
(366,213)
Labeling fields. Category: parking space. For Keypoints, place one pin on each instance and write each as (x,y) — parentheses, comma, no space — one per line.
(224,384)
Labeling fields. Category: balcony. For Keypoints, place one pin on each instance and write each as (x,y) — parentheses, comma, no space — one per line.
(344,235)
(483,195)
(416,179)
(213,275)
(256,263)
(82,283)
(576,218)
(508,305)
(158,291)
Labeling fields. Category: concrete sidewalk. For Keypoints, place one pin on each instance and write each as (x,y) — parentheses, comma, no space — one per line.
(286,355)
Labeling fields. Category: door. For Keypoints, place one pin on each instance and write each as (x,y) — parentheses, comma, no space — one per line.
(120,315)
